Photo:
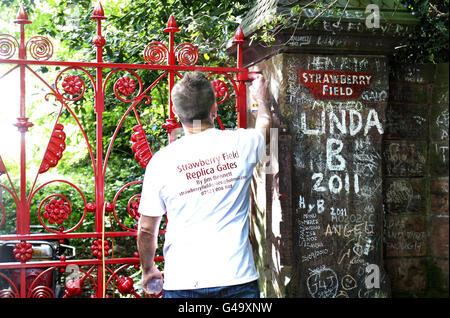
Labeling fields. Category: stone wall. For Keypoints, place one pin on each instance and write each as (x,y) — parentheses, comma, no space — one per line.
(313,237)
(319,215)
(359,189)
(415,160)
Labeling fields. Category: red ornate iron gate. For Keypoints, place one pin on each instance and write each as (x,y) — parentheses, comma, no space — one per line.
(23,274)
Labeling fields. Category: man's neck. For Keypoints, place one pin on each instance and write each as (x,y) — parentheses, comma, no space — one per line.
(196,128)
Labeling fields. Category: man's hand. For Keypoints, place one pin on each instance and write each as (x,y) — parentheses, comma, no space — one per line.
(259,93)
(148,275)
(259,89)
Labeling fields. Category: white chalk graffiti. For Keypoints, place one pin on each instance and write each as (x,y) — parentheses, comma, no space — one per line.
(366,158)
(309,227)
(334,153)
(335,183)
(322,282)
(442,123)
(354,127)
(443,150)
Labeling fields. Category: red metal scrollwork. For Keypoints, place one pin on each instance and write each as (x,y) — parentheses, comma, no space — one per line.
(2,166)
(61,214)
(7,293)
(12,291)
(186,54)
(2,219)
(155,53)
(8,46)
(40,48)
(41,292)
(130,205)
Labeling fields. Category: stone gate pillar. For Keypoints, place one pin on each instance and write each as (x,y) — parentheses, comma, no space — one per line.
(317,218)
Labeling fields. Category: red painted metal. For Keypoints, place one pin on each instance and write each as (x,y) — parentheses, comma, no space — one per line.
(55,149)
(26,276)
(140,147)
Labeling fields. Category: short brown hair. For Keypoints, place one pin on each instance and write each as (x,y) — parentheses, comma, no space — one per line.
(193,96)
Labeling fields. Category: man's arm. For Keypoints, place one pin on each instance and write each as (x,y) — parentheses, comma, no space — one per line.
(147,242)
(259,93)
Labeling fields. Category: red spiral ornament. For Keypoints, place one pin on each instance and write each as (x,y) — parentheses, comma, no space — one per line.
(155,53)
(12,291)
(140,147)
(40,48)
(42,292)
(7,293)
(8,46)
(55,149)
(186,54)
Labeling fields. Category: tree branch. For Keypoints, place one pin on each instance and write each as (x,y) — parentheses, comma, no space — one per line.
(438,13)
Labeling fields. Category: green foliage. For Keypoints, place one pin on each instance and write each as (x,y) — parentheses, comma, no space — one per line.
(429,42)
(291,17)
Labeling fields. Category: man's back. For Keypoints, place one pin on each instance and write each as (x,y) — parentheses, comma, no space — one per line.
(202,181)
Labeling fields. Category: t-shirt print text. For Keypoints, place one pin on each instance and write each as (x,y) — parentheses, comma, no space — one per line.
(209,165)
(211,174)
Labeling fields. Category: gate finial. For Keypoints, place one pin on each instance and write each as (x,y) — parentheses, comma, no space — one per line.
(239,36)
(99,13)
(22,16)
(171,25)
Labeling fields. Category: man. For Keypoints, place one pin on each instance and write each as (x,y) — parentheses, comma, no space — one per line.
(202,180)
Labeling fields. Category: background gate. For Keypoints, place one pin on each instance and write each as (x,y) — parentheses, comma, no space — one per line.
(38,260)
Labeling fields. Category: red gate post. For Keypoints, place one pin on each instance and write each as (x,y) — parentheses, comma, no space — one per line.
(171,123)
(241,96)
(23,211)
(99,42)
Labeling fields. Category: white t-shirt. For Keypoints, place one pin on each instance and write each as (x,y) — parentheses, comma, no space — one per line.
(203,182)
